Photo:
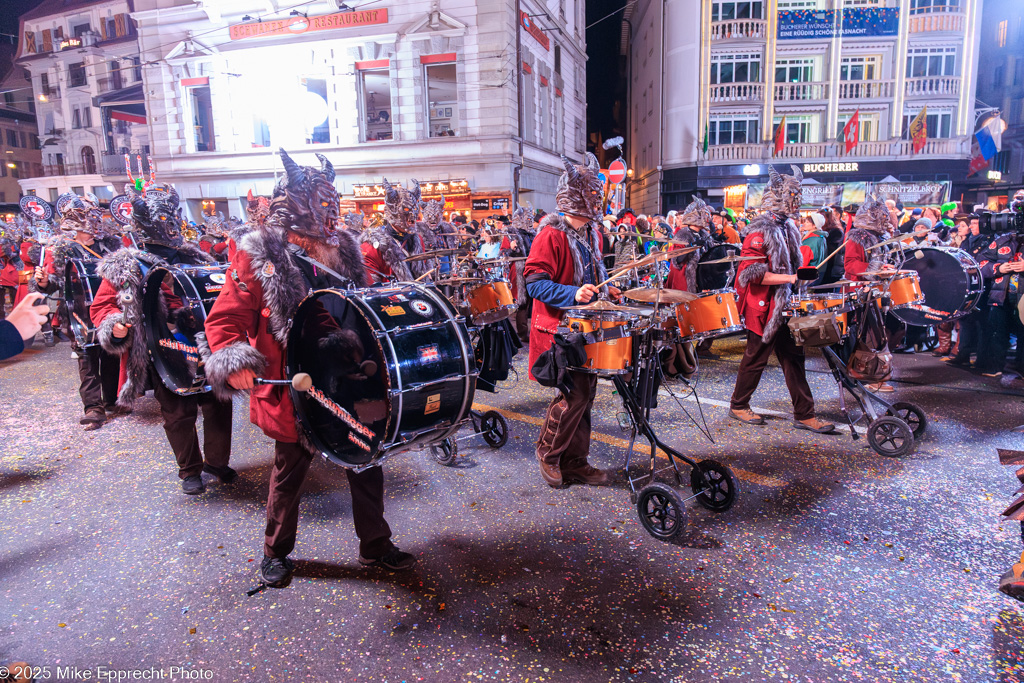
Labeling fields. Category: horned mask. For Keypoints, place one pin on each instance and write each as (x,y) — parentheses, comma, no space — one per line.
(579,188)
(156,215)
(783,193)
(401,206)
(305,201)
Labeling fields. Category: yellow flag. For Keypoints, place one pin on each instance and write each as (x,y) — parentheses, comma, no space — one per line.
(919,130)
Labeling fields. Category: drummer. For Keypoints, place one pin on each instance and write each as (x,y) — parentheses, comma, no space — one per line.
(98,370)
(692,230)
(871,224)
(247,330)
(117,314)
(564,270)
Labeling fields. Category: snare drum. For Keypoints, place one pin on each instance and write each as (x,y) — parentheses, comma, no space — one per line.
(905,289)
(712,315)
(81,283)
(611,356)
(836,302)
(490,302)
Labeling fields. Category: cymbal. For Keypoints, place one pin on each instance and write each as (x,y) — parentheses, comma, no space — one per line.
(652,238)
(885,243)
(457,281)
(649,260)
(732,258)
(839,283)
(604,305)
(427,255)
(668,296)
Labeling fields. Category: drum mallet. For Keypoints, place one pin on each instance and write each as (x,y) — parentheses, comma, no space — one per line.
(300,382)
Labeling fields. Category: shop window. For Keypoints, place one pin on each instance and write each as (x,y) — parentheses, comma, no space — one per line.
(443,99)
(923,62)
(202,118)
(733,130)
(76,75)
(375,91)
(938,123)
(88,160)
(799,129)
(727,10)
(868,126)
(926,6)
(742,68)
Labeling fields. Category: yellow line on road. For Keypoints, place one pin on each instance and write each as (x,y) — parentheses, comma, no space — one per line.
(745,475)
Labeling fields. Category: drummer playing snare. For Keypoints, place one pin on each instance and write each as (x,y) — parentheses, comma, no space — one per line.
(563,270)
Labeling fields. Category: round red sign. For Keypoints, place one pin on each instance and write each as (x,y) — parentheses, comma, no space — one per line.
(616,171)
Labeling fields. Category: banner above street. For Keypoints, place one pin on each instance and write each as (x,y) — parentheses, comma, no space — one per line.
(858,22)
(299,25)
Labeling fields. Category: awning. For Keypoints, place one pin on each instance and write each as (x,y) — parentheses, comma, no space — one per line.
(127,104)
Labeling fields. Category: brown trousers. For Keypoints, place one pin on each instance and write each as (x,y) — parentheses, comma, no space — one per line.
(791,358)
(565,437)
(98,372)
(291,463)
(180,413)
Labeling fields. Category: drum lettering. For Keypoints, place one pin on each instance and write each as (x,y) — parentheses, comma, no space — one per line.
(340,412)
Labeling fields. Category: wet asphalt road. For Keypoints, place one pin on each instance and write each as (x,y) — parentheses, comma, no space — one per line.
(835,564)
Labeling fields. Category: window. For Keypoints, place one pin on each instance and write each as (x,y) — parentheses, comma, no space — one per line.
(558,59)
(861,3)
(202,118)
(114,81)
(316,98)
(785,5)
(799,128)
(88,160)
(34,140)
(868,125)
(859,68)
(926,6)
(78,189)
(1001,33)
(102,192)
(86,117)
(375,90)
(53,194)
(794,70)
(44,83)
(939,124)
(727,10)
(442,100)
(24,140)
(12,138)
(78,29)
(76,75)
(923,62)
(137,69)
(735,130)
(744,68)
(76,118)
(15,169)
(3,170)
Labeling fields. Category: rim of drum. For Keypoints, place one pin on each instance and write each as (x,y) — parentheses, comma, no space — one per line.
(79,329)
(152,344)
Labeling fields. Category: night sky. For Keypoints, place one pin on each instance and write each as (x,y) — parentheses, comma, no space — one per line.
(605,84)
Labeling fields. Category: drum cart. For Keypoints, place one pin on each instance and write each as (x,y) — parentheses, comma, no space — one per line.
(491,425)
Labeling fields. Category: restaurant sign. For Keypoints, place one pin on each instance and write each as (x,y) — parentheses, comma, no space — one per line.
(298,25)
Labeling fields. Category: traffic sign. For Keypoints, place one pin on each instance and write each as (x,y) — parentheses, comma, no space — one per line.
(617,171)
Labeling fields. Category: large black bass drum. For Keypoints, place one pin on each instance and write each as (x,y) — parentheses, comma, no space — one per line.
(81,282)
(950,280)
(392,369)
(717,275)
(175,303)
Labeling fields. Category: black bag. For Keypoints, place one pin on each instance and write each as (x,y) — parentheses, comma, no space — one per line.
(497,347)
(871,360)
(551,369)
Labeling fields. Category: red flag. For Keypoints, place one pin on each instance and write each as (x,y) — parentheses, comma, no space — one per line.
(780,137)
(851,131)
(919,130)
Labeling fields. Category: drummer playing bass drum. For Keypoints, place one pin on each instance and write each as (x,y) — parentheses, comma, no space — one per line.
(272,271)
(562,271)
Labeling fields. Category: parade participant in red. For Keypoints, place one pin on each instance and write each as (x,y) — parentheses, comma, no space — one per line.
(117,314)
(9,242)
(691,227)
(382,254)
(247,331)
(871,224)
(83,239)
(763,287)
(402,212)
(562,271)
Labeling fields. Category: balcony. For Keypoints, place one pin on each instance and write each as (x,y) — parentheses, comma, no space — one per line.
(106,85)
(801,92)
(737,92)
(949,22)
(68,169)
(739,28)
(866,90)
(942,86)
(833,151)
(113,164)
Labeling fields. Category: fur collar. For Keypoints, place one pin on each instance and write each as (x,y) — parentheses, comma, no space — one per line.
(382,239)
(782,245)
(419,239)
(591,240)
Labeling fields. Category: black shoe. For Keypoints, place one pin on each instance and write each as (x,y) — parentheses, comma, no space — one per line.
(192,486)
(48,340)
(275,572)
(395,560)
(225,474)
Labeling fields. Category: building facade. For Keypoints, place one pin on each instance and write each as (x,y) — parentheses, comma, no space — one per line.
(711,80)
(422,89)
(86,73)
(19,143)
(1001,88)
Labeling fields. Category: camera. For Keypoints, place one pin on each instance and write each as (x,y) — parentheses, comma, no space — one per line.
(1000,223)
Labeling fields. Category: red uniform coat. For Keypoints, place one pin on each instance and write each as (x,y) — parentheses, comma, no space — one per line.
(376,266)
(105,304)
(754,300)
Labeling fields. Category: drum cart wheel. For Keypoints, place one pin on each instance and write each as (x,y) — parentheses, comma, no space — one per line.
(494,428)
(912,414)
(446,451)
(891,437)
(661,511)
(714,485)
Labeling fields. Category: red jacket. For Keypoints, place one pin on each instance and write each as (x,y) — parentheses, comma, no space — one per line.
(755,301)
(551,254)
(375,263)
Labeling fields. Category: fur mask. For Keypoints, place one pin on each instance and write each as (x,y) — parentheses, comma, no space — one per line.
(783,193)
(522,219)
(401,206)
(353,221)
(433,212)
(698,213)
(215,226)
(256,209)
(81,214)
(873,215)
(156,215)
(305,201)
(579,189)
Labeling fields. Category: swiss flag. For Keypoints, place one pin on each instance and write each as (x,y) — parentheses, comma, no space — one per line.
(780,137)
(851,131)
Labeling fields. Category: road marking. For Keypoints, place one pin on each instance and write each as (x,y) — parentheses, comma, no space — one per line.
(746,475)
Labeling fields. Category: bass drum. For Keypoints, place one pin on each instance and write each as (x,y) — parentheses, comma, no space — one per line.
(717,275)
(392,369)
(81,282)
(175,303)
(951,282)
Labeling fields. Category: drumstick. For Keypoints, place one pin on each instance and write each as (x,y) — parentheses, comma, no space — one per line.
(425,274)
(300,382)
(826,259)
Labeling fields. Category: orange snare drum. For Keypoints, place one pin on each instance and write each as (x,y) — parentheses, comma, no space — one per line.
(905,289)
(490,302)
(713,314)
(611,357)
(808,303)
(838,302)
